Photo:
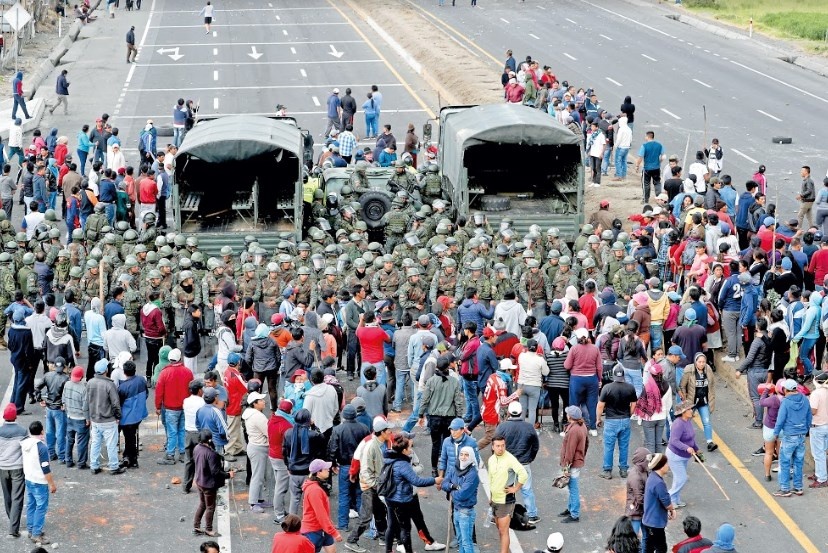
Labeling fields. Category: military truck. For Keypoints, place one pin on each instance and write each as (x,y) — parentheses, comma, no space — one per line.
(239,175)
(374,203)
(507,160)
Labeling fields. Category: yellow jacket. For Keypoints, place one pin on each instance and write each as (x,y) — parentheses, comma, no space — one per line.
(499,474)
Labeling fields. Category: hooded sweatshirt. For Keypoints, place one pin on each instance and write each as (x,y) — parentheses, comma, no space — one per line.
(173,386)
(263,354)
(375,398)
(636,482)
(323,403)
(163,361)
(623,134)
(152,321)
(513,315)
(118,339)
(794,416)
(659,306)
(59,344)
(256,424)
(51,140)
(311,328)
(316,509)
(35,460)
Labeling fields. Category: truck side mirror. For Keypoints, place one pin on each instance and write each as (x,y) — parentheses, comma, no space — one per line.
(426,133)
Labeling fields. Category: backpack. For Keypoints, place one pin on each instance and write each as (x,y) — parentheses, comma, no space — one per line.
(386,485)
(520,520)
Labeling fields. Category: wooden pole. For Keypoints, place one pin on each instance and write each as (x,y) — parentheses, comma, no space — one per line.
(699,461)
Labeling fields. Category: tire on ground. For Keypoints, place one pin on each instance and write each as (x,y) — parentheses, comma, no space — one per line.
(495,203)
(374,205)
(782,140)
(164,130)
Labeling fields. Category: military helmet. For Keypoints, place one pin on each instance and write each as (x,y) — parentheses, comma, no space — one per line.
(388,258)
(449,262)
(362,166)
(565,261)
(160,241)
(378,263)
(581,255)
(437,249)
(330,271)
(121,226)
(500,267)
(109,238)
(361,226)
(553,254)
(618,246)
(148,217)
(520,247)
(330,249)
(248,267)
(184,263)
(272,267)
(77,235)
(140,248)
(249,238)
(433,168)
(180,241)
(5,257)
(165,251)
(20,237)
(346,190)
(623,237)
(412,272)
(442,229)
(130,261)
(184,275)
(191,242)
(50,215)
(197,257)
(152,257)
(96,254)
(354,237)
(587,229)
(226,250)
(399,163)
(303,247)
(105,229)
(130,236)
(360,263)
(588,263)
(502,250)
(422,254)
(153,274)
(303,271)
(528,254)
(212,264)
(74,272)
(451,241)
(318,194)
(164,262)
(63,253)
(99,207)
(374,247)
(629,260)
(54,233)
(477,265)
(593,239)
(474,243)
(533,263)
(90,263)
(607,235)
(553,232)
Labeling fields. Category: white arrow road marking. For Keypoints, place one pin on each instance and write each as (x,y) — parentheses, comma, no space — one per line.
(254,54)
(335,53)
(172,52)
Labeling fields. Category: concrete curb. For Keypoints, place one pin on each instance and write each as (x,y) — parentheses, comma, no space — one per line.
(709,27)
(726,372)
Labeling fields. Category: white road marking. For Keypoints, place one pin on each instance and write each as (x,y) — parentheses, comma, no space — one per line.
(315,101)
(129,75)
(504,20)
(215,75)
(571,21)
(215,103)
(303,73)
(514,543)
(805,92)
(534,36)
(613,81)
(631,20)
(256,63)
(278,18)
(717,55)
(670,113)
(702,83)
(215,34)
(293,50)
(766,114)
(648,57)
(738,153)
(254,54)
(284,32)
(270,4)
(606,37)
(706,50)
(573,58)
(541,8)
(269,87)
(215,51)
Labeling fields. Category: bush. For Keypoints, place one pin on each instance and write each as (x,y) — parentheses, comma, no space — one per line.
(705,4)
(808,25)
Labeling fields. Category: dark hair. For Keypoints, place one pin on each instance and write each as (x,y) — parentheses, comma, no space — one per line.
(692,526)
(407,319)
(400,443)
(129,368)
(117,291)
(370,372)
(509,295)
(623,537)
(292,523)
(761,324)
(499,438)
(297,333)
(36,428)
(694,293)
(471,292)
(318,377)
(211,375)
(471,326)
(205,436)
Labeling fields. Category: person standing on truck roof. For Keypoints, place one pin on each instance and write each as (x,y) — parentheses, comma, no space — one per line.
(349,108)
(334,112)
(377,95)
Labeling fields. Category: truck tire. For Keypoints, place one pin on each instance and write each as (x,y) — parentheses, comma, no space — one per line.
(495,203)
(782,140)
(374,205)
(164,130)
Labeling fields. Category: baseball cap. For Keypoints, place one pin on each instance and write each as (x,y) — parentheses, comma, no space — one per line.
(253,397)
(77,374)
(456,424)
(515,408)
(336,91)
(10,412)
(318,465)
(618,372)
(277,319)
(574,412)
(488,332)
(507,365)
(744,278)
(381,424)
(233,358)
(789,384)
(675,350)
(423,320)
(175,355)
(580,333)
(209,393)
(101,366)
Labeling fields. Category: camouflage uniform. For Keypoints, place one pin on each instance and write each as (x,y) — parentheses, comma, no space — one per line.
(396,224)
(249,286)
(564,278)
(444,284)
(7,289)
(625,281)
(412,296)
(305,289)
(535,287)
(386,283)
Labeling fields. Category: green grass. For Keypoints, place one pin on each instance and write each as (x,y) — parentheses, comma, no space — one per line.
(798,19)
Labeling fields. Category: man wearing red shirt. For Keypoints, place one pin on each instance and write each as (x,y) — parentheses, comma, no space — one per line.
(277,426)
(172,389)
(371,339)
(147,192)
(152,322)
(819,261)
(588,304)
(236,388)
(495,398)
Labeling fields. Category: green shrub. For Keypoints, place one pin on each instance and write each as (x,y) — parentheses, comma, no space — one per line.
(704,4)
(811,26)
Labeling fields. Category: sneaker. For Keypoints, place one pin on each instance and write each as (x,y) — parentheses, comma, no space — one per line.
(564,513)
(534,520)
(757,425)
(818,484)
(623,473)
(775,469)
(353,514)
(711,446)
(355,547)
(453,544)
(759,452)
(680,505)
(729,358)
(166,461)
(96,471)
(401,548)
(257,509)
(569,519)
(83,466)
(381,541)
(265,504)
(606,475)
(119,470)
(435,546)
(40,540)
(798,492)
(782,493)
(279,519)
(593,433)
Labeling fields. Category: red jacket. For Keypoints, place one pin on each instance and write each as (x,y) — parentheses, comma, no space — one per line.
(504,344)
(316,510)
(236,388)
(147,191)
(291,542)
(152,321)
(60,155)
(173,386)
(277,427)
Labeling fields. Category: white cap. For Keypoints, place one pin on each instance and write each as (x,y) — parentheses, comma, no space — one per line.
(174,355)
(336,91)
(515,408)
(555,542)
(253,397)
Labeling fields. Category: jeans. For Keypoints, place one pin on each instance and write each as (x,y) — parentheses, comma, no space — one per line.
(616,430)
(23,380)
(295,482)
(656,337)
(606,160)
(349,497)
(792,450)
(529,401)
(654,538)
(178,136)
(805,348)
(574,493)
(371,124)
(174,426)
(819,444)
(206,508)
(528,494)
(653,433)
(403,378)
(635,379)
(82,155)
(584,389)
(651,176)
(704,414)
(110,213)
(382,378)
(106,432)
(353,353)
(463,527)
(14,491)
(77,432)
(730,324)
(471,393)
(281,483)
(399,525)
(56,433)
(37,503)
(678,466)
(439,429)
(412,419)
(756,376)
(621,162)
(595,167)
(16,151)
(20,102)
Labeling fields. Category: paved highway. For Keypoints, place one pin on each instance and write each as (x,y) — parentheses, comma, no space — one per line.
(671,70)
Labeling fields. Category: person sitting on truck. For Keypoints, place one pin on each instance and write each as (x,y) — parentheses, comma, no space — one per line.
(388,156)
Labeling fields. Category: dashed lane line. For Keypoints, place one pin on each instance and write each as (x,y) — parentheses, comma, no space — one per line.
(670,113)
(648,57)
(766,114)
(747,157)
(702,83)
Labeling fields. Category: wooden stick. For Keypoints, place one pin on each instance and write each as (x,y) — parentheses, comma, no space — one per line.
(699,461)
(448,521)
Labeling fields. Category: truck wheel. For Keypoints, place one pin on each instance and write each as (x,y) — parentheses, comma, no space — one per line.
(495,203)
(782,140)
(374,206)
(164,130)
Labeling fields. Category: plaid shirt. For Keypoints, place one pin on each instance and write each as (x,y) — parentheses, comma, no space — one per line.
(347,143)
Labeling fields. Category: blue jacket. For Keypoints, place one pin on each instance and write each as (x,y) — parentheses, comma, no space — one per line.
(750,303)
(521,439)
(728,195)
(388,347)
(474,311)
(405,478)
(656,501)
(133,394)
(730,296)
(111,309)
(794,417)
(552,326)
(41,191)
(743,211)
(810,326)
(487,364)
(449,449)
(462,484)
(75,318)
(210,418)
(107,192)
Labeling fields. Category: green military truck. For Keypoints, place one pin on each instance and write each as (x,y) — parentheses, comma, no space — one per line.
(507,160)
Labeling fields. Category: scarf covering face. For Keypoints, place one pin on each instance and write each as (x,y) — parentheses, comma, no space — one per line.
(262,331)
(724,538)
(301,433)
(650,401)
(464,464)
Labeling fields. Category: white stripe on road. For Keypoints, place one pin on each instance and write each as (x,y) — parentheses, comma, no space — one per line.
(505,21)
(805,92)
(541,8)
(215,34)
(613,81)
(284,32)
(315,101)
(631,20)
(293,50)
(215,51)
(738,153)
(303,73)
(670,113)
(648,57)
(131,72)
(338,23)
(263,87)
(534,36)
(514,543)
(702,83)
(571,21)
(215,75)
(573,58)
(254,63)
(766,114)
(606,37)
(278,18)
(215,103)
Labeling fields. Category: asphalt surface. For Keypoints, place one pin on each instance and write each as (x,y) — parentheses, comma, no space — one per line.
(671,70)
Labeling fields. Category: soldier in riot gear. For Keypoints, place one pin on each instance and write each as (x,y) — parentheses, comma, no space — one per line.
(249,285)
(148,231)
(7,289)
(386,281)
(475,279)
(432,184)
(359,179)
(444,282)
(553,242)
(626,280)
(565,277)
(412,297)
(535,289)
(305,287)
(396,224)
